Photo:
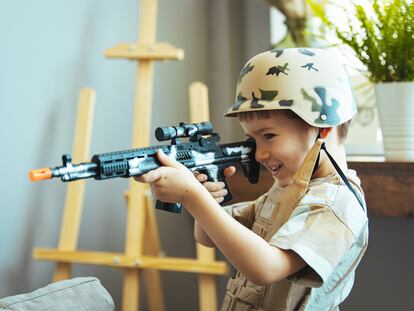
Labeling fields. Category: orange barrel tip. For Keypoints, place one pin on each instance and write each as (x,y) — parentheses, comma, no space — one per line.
(40,174)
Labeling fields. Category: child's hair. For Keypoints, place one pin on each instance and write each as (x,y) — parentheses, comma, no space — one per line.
(342,129)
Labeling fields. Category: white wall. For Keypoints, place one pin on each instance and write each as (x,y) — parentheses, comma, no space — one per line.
(49,50)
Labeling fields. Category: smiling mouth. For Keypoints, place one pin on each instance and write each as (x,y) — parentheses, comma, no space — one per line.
(274,169)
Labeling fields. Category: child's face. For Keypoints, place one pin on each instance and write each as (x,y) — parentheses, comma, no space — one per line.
(281,143)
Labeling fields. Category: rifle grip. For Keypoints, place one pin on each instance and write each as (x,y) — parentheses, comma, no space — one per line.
(169,207)
(229,196)
(219,176)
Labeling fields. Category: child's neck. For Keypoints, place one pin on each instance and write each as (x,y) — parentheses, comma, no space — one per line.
(337,151)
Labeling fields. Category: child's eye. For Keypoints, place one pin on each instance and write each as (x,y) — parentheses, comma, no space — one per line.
(269,136)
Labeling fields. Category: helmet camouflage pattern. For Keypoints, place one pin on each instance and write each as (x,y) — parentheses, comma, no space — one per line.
(313,83)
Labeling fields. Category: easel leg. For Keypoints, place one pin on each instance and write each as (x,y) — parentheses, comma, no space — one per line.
(199,111)
(62,271)
(74,197)
(133,246)
(130,295)
(207,283)
(155,293)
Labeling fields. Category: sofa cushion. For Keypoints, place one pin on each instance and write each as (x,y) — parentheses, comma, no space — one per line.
(83,293)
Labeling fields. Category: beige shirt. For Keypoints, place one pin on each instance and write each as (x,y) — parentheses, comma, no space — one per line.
(329,230)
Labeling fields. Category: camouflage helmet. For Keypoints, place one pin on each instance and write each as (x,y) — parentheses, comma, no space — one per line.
(313,83)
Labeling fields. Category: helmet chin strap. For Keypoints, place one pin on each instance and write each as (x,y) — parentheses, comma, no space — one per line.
(338,170)
(315,168)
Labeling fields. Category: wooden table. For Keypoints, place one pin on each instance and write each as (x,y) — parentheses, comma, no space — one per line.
(388,186)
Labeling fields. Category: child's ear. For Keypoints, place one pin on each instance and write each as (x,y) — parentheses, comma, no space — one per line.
(324,132)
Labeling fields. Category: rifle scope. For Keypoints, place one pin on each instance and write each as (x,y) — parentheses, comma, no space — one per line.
(183,130)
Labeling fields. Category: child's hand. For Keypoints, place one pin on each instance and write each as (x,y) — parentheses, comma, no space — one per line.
(172,182)
(216,189)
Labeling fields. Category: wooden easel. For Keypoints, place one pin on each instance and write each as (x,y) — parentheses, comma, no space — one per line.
(141,254)
(207,290)
(72,212)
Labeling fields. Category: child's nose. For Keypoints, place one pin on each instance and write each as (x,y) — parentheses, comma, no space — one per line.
(261,154)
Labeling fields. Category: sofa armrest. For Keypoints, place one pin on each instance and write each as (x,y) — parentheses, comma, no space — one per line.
(81,294)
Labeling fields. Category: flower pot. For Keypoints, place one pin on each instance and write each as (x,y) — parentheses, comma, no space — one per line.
(395,102)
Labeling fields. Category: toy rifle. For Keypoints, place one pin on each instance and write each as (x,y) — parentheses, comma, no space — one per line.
(202,152)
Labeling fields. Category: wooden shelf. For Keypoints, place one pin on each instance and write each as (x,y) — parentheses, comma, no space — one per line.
(388,186)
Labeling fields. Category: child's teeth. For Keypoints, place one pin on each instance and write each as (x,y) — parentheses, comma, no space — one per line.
(276,167)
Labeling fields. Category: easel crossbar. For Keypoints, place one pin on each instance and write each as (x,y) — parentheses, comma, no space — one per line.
(120,260)
(137,51)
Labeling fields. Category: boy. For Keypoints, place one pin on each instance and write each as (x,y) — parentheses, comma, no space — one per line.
(297,246)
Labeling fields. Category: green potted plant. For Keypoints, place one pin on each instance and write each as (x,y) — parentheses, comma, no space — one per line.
(296,21)
(381,34)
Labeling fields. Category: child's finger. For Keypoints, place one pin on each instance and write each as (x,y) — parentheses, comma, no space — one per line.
(167,161)
(150,177)
(219,194)
(139,178)
(214,186)
(200,177)
(229,171)
(219,200)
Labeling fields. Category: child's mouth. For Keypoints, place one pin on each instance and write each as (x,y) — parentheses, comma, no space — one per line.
(274,169)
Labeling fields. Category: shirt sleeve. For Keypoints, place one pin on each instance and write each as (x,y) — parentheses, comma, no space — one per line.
(244,212)
(319,237)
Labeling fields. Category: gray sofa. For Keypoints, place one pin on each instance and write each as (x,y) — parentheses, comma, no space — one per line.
(80,294)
